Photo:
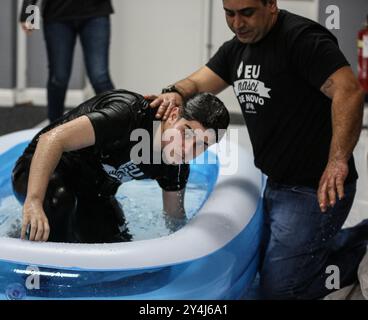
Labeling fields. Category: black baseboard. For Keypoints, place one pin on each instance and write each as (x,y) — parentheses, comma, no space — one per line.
(20,117)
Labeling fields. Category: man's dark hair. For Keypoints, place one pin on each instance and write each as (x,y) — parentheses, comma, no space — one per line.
(208,110)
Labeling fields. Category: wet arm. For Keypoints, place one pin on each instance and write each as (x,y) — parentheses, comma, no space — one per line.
(173,203)
(75,135)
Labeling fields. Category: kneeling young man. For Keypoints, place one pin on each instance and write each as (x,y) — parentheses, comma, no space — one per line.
(68,176)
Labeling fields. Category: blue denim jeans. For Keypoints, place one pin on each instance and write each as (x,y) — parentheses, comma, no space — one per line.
(60,37)
(300,243)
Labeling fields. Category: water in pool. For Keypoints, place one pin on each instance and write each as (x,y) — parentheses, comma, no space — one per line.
(142,203)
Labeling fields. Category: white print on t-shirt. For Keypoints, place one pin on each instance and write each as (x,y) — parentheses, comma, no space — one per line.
(249,90)
(125,173)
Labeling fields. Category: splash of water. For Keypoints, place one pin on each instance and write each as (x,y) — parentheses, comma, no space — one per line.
(142,203)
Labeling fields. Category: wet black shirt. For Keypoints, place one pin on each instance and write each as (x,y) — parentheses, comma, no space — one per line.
(103,167)
(277,82)
(59,10)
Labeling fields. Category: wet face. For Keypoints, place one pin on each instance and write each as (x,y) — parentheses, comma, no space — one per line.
(250,20)
(184,140)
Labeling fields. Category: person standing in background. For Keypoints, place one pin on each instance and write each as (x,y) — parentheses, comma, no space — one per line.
(63,22)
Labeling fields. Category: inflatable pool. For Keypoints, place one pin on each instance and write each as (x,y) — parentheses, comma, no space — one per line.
(214,256)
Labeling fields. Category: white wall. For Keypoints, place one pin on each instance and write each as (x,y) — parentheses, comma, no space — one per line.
(156,43)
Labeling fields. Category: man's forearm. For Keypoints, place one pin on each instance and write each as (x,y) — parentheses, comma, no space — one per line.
(45,160)
(187,88)
(203,80)
(347,116)
(173,204)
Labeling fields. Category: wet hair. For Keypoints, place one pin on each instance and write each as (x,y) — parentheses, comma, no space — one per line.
(208,110)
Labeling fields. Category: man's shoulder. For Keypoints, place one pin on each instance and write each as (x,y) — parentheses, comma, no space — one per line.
(294,26)
(118,95)
(114,102)
(291,20)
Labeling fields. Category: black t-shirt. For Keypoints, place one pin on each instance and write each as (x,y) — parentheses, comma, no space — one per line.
(104,166)
(277,82)
(59,10)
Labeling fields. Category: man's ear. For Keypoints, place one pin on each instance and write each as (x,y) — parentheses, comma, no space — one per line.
(174,115)
(273,4)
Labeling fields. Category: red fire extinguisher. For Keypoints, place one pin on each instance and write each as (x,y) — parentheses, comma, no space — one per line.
(363,56)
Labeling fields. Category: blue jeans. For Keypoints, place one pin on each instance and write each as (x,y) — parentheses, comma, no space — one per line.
(300,243)
(60,40)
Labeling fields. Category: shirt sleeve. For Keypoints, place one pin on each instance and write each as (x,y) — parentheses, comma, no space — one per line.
(219,63)
(174,178)
(23,15)
(112,122)
(315,55)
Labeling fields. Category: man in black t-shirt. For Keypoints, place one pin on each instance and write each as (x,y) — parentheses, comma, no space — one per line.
(303,108)
(69,174)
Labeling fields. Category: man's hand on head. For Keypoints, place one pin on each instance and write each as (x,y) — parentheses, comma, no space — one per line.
(331,185)
(165,102)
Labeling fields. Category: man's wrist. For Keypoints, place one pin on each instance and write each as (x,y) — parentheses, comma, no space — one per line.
(339,156)
(335,160)
(34,199)
(173,89)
